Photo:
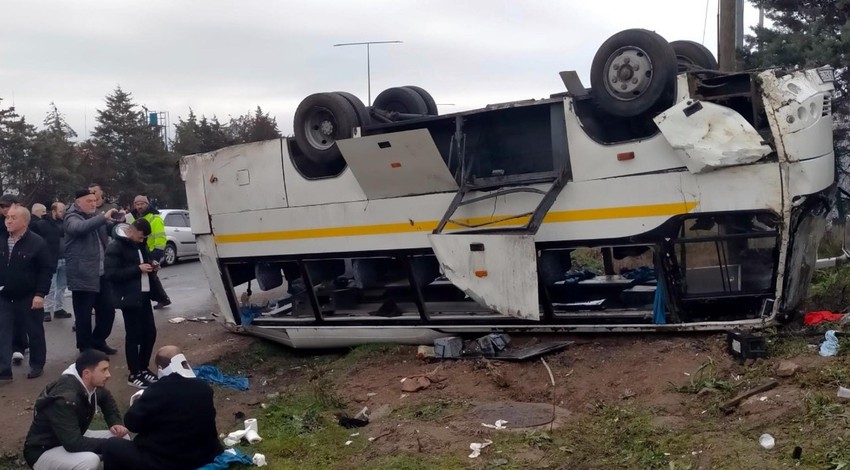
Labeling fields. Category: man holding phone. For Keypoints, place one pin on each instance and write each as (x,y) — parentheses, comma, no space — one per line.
(85,246)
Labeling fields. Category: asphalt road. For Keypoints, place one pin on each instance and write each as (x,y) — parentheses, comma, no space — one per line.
(190,296)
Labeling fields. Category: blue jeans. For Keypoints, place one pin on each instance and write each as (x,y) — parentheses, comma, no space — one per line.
(55,299)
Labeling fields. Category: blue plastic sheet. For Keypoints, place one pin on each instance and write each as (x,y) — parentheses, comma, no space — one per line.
(829,347)
(213,375)
(658,307)
(229,456)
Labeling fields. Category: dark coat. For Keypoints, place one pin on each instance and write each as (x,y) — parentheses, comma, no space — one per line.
(83,233)
(63,413)
(122,269)
(175,422)
(28,271)
(53,233)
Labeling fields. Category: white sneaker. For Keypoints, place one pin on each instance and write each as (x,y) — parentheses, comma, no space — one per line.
(17,358)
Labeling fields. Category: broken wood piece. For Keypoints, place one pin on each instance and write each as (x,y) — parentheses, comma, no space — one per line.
(730,405)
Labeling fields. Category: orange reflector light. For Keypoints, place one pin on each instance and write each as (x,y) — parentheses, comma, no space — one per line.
(395,165)
(625,156)
(481,273)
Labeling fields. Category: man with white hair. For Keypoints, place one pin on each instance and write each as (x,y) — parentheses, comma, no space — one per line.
(25,272)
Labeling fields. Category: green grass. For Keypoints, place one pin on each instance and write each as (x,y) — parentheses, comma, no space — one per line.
(430,411)
(830,289)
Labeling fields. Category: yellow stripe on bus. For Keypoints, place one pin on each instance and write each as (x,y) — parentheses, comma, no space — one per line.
(580,215)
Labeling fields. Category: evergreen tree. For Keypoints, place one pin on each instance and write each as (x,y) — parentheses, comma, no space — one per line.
(253,128)
(59,155)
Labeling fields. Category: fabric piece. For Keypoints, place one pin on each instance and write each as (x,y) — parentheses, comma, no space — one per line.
(829,347)
(213,375)
(813,318)
(229,456)
(658,307)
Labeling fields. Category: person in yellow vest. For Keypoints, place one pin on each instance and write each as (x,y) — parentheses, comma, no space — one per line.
(156,244)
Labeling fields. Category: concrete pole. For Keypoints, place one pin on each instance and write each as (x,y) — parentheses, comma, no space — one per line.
(726,36)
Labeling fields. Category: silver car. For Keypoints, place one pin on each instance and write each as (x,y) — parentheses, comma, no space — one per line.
(180,242)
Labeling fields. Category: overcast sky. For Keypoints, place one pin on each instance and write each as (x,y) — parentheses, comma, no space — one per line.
(225,57)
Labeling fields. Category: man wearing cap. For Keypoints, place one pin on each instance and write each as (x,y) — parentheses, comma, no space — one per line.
(156,242)
(85,246)
(129,270)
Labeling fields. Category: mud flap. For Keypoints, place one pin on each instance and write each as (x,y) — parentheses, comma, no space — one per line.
(708,136)
(497,271)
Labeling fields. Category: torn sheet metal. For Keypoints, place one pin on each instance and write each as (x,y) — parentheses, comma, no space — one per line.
(708,136)
(497,271)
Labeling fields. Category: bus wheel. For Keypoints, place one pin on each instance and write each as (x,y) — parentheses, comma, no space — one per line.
(430,104)
(692,55)
(401,99)
(634,72)
(320,120)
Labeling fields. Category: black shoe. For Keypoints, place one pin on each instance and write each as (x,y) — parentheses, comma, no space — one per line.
(106,349)
(47,316)
(35,373)
(163,304)
(62,314)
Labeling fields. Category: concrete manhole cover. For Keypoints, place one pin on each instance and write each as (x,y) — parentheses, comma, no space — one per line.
(518,414)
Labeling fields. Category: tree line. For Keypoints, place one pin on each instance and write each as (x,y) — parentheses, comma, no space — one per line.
(125,154)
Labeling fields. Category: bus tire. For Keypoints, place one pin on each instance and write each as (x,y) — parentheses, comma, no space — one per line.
(360,108)
(401,99)
(633,73)
(692,55)
(430,104)
(320,121)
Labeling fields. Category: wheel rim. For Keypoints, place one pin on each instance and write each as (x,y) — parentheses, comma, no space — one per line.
(320,128)
(170,255)
(628,73)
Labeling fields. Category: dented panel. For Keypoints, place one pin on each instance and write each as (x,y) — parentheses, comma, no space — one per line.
(497,271)
(708,136)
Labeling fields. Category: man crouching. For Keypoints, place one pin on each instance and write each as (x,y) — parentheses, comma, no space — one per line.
(59,437)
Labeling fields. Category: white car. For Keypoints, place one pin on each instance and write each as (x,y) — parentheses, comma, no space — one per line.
(180,242)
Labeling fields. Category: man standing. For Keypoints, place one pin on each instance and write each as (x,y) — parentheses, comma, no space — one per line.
(6,201)
(59,437)
(51,229)
(174,419)
(25,271)
(85,245)
(156,243)
(38,212)
(102,204)
(129,270)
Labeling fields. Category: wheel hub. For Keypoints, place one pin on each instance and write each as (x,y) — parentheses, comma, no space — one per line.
(319,128)
(629,73)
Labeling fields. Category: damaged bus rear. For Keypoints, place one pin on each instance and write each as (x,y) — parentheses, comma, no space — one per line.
(702,195)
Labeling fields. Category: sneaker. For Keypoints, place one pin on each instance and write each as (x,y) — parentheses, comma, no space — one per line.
(47,316)
(160,305)
(17,358)
(138,380)
(106,349)
(150,376)
(62,314)
(35,373)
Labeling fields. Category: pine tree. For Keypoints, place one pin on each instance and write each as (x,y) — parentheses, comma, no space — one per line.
(59,155)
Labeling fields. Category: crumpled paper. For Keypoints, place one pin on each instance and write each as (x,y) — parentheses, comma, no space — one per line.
(476,448)
(500,424)
(259,460)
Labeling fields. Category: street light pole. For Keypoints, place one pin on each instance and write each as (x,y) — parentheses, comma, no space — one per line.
(368,45)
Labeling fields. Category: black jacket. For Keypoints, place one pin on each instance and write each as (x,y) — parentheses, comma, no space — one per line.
(121,268)
(175,422)
(63,413)
(29,269)
(53,233)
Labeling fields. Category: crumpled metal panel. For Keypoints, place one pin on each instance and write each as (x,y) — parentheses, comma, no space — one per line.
(500,275)
(708,136)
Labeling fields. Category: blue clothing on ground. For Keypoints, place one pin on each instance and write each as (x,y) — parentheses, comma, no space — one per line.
(213,375)
(229,456)
(830,345)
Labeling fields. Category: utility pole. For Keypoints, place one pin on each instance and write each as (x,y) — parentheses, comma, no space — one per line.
(368,45)
(726,30)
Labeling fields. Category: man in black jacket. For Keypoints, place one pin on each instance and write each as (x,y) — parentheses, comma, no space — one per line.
(59,437)
(129,270)
(25,271)
(174,419)
(50,227)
